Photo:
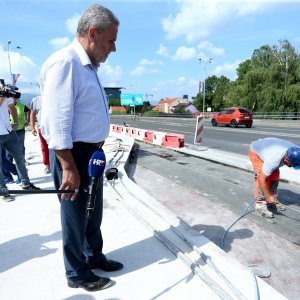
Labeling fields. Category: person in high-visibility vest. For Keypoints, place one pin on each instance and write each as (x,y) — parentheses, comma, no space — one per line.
(8,167)
(23,120)
(267,156)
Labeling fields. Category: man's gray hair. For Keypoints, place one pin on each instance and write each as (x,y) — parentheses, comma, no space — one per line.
(98,16)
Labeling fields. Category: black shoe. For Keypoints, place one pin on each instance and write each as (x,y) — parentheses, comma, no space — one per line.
(108,266)
(94,283)
(30,187)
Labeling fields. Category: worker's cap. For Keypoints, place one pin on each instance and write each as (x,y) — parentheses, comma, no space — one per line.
(293,155)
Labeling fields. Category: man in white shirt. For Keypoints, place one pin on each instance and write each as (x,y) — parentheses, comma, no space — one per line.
(9,141)
(75,122)
(267,156)
(35,121)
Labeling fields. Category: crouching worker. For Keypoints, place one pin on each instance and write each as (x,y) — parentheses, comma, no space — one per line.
(267,156)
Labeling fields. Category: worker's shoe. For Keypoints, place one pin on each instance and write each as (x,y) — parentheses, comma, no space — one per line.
(262,210)
(5,196)
(277,206)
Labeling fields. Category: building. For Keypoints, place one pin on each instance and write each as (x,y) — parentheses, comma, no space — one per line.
(169,104)
(113,92)
(119,109)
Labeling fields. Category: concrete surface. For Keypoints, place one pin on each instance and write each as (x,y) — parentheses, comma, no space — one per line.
(136,230)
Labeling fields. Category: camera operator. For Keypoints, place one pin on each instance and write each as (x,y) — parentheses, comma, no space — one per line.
(10,142)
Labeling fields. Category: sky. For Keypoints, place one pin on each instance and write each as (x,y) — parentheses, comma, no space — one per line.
(159,42)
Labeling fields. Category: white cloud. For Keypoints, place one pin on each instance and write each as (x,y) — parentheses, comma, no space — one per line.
(145,62)
(72,23)
(110,76)
(211,49)
(138,71)
(180,86)
(297,40)
(20,64)
(143,67)
(227,69)
(184,53)
(59,43)
(163,51)
(201,18)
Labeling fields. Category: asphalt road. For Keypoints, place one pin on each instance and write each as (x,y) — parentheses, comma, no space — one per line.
(235,140)
(228,187)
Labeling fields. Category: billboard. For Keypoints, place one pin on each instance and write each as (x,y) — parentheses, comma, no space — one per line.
(132,99)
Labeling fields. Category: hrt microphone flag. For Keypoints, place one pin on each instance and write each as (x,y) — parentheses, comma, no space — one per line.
(97,165)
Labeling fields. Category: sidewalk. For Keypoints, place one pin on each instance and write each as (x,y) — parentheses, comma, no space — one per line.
(235,160)
(137,230)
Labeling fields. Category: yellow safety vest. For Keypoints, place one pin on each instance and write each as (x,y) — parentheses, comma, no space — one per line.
(21,116)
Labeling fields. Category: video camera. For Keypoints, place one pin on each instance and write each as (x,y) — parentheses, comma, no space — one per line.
(9,90)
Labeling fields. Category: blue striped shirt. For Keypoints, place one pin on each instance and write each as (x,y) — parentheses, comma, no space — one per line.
(74,103)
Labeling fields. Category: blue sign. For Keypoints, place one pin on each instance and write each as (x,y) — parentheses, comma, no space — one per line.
(132,99)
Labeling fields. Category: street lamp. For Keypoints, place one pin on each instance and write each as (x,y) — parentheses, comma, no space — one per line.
(8,56)
(108,97)
(134,86)
(148,95)
(204,62)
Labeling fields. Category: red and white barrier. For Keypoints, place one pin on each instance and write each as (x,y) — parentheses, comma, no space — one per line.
(199,130)
(148,136)
(173,140)
(158,138)
(140,134)
(153,137)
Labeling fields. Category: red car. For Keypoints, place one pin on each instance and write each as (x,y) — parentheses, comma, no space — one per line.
(233,116)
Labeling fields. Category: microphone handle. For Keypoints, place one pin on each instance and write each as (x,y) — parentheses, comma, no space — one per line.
(16,192)
(92,193)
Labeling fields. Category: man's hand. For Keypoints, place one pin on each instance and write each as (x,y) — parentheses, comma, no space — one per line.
(14,126)
(34,131)
(70,175)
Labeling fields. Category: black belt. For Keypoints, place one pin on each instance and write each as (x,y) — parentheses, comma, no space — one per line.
(90,145)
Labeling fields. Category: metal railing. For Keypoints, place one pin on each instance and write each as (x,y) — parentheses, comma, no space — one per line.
(277,115)
(208,115)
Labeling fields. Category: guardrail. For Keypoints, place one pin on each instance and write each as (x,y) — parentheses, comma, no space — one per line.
(277,115)
(207,115)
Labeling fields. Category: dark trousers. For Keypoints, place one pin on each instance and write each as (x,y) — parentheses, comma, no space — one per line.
(82,238)
(8,167)
(11,143)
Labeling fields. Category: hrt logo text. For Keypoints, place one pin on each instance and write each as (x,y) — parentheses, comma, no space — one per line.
(98,162)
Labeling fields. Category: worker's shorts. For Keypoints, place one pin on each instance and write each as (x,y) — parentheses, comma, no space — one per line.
(272,180)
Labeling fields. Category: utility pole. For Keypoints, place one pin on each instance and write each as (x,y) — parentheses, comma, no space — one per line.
(148,95)
(204,62)
(8,56)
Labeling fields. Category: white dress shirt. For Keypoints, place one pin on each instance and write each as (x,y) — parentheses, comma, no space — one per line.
(74,104)
(5,126)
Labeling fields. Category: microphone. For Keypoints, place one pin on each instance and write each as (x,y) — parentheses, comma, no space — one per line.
(96,169)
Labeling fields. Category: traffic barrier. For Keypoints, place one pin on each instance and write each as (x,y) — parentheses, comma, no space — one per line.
(199,130)
(116,128)
(148,136)
(158,137)
(173,140)
(140,134)
(134,132)
(124,130)
(127,130)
